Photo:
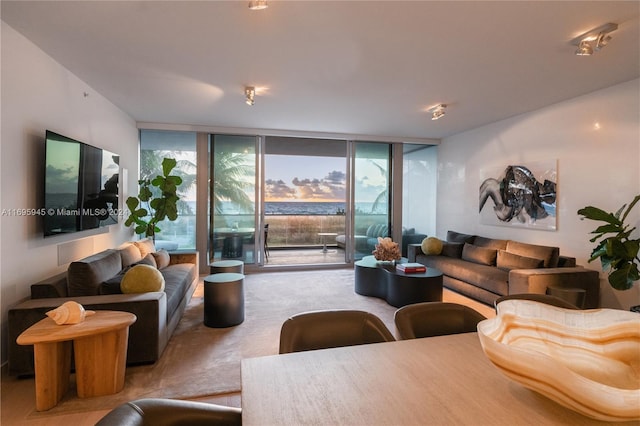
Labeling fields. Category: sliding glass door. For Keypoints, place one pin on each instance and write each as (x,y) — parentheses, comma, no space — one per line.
(371,196)
(232,198)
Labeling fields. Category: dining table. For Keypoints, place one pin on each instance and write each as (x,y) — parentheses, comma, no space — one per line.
(430,381)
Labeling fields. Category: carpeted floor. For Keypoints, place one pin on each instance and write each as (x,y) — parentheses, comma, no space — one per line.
(200,361)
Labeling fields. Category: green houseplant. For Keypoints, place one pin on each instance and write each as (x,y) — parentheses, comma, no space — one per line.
(146,210)
(618,253)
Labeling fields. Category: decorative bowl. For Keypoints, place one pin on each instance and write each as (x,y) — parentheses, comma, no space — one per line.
(588,361)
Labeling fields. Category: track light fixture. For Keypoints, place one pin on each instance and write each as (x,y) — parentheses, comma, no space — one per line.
(250,94)
(593,40)
(437,111)
(258,4)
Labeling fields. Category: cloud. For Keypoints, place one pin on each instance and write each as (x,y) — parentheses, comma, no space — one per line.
(62,181)
(279,189)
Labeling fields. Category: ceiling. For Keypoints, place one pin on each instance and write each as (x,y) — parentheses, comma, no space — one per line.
(356,67)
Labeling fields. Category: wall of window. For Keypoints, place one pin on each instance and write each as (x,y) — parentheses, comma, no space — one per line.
(419,182)
(155,145)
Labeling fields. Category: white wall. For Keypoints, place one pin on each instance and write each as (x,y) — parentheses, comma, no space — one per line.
(39,94)
(596,140)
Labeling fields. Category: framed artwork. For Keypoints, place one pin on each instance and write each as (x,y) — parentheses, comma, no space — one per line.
(519,195)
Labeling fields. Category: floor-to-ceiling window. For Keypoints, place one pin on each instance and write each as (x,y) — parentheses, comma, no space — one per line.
(372,196)
(326,198)
(232,212)
(155,145)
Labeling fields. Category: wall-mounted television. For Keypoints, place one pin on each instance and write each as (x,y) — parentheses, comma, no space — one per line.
(80,186)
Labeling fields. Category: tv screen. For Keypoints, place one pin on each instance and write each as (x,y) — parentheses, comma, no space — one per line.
(81,186)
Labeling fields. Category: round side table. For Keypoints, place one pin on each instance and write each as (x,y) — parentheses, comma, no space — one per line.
(223,300)
(222,266)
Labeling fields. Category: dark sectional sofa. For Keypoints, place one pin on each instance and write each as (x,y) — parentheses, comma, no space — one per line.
(94,282)
(487,268)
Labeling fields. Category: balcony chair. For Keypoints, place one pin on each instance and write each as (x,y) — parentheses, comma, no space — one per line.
(170,412)
(435,319)
(331,329)
(537,297)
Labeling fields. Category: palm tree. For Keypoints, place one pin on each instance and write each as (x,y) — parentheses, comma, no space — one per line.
(232,175)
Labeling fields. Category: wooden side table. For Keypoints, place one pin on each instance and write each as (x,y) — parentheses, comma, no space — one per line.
(100,347)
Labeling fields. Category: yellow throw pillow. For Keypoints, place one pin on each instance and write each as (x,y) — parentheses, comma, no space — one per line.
(142,279)
(431,246)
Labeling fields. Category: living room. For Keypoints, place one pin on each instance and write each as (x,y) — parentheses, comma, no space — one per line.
(592,135)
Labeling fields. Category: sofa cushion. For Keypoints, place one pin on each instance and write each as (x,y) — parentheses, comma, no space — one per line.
(149,259)
(162,258)
(452,249)
(480,255)
(456,237)
(490,243)
(178,278)
(508,261)
(129,253)
(85,276)
(488,278)
(142,279)
(145,246)
(431,246)
(549,255)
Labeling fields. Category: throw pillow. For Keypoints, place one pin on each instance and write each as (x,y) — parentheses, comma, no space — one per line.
(162,258)
(480,255)
(452,250)
(145,246)
(491,243)
(142,279)
(148,260)
(508,261)
(549,255)
(456,237)
(431,246)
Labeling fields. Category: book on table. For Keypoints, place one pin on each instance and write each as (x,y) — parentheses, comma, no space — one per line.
(411,267)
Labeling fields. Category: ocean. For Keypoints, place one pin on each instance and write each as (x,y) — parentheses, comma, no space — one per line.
(285,208)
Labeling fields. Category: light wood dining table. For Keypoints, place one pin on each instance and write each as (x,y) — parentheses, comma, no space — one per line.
(431,381)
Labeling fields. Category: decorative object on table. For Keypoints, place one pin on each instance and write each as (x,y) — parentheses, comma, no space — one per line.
(411,268)
(386,250)
(146,210)
(618,253)
(584,360)
(431,246)
(527,194)
(69,313)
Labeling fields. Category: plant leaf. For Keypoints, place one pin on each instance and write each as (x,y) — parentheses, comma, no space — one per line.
(595,213)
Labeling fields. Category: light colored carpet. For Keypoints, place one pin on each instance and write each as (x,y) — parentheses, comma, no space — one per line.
(201,361)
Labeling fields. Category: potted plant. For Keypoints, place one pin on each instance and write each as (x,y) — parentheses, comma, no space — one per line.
(146,210)
(617,251)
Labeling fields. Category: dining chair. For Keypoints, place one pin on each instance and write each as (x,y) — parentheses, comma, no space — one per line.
(331,329)
(537,297)
(171,412)
(435,319)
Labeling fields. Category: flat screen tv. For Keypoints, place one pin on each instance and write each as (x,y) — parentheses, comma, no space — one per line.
(81,186)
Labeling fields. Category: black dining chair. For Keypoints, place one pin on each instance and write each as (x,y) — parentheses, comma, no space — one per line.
(171,412)
(331,329)
(430,319)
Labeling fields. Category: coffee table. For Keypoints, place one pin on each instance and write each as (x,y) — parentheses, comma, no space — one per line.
(397,288)
(100,352)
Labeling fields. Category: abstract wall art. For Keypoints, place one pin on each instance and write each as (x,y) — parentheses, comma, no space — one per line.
(519,195)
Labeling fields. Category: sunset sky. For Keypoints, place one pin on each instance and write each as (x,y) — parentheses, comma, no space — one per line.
(319,179)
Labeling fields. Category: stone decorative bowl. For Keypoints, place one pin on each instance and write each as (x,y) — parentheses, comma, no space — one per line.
(588,361)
